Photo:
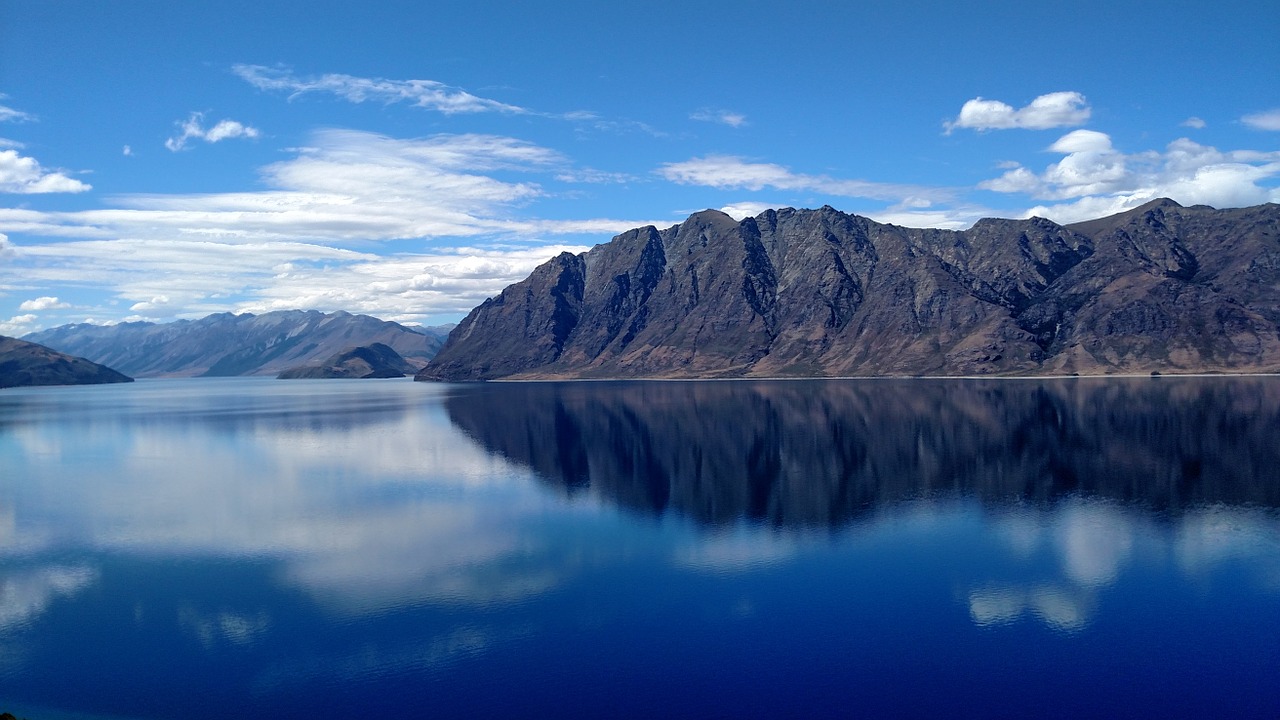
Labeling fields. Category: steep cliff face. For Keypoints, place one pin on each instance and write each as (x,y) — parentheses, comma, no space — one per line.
(823,293)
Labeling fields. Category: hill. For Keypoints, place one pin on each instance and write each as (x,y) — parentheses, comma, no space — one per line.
(24,363)
(372,361)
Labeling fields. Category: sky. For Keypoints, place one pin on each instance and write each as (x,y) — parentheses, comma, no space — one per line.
(164,161)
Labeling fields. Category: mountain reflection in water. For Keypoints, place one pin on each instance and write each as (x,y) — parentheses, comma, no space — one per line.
(814,453)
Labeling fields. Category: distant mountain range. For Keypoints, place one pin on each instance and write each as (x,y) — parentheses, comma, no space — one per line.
(24,363)
(227,345)
(1162,288)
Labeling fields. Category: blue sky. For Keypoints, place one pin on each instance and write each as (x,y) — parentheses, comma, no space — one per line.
(164,160)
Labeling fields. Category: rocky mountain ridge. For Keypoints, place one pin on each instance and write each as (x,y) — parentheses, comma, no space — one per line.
(226,345)
(823,293)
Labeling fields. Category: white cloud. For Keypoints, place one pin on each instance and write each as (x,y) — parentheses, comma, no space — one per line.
(6,248)
(193,129)
(8,114)
(428,94)
(127,151)
(1102,180)
(723,117)
(1082,141)
(1058,109)
(23,175)
(728,172)
(1194,122)
(1266,120)
(43,303)
(17,325)
(154,303)
(739,211)
(283,247)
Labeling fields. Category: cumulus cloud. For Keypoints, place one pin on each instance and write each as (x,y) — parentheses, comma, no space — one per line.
(193,129)
(723,117)
(1100,180)
(17,325)
(728,172)
(24,175)
(43,303)
(1267,120)
(1194,122)
(1054,110)
(429,94)
(7,249)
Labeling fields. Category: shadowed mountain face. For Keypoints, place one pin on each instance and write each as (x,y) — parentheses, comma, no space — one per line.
(819,453)
(822,293)
(23,363)
(226,345)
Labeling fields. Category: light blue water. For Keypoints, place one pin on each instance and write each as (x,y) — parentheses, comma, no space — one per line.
(253,548)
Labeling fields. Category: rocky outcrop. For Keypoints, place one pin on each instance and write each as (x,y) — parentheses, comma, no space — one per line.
(823,293)
(23,363)
(226,344)
(373,361)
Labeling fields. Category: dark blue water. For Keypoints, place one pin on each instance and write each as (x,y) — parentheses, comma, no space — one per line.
(1017,548)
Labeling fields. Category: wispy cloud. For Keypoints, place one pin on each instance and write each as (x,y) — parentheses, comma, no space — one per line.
(193,129)
(729,172)
(303,242)
(1267,120)
(1053,110)
(1194,123)
(8,114)
(723,117)
(430,94)
(23,175)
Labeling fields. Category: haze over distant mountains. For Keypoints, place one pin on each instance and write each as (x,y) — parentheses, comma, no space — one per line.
(823,293)
(227,345)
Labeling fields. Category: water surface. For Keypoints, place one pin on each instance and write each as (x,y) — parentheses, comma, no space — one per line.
(246,547)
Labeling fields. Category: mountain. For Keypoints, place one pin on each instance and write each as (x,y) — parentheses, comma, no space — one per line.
(24,363)
(226,344)
(372,361)
(822,293)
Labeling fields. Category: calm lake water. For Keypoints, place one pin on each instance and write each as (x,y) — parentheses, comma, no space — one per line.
(253,548)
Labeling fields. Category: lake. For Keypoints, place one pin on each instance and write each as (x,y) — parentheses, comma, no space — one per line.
(859,548)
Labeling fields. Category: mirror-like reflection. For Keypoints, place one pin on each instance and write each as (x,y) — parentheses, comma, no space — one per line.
(815,453)
(172,549)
